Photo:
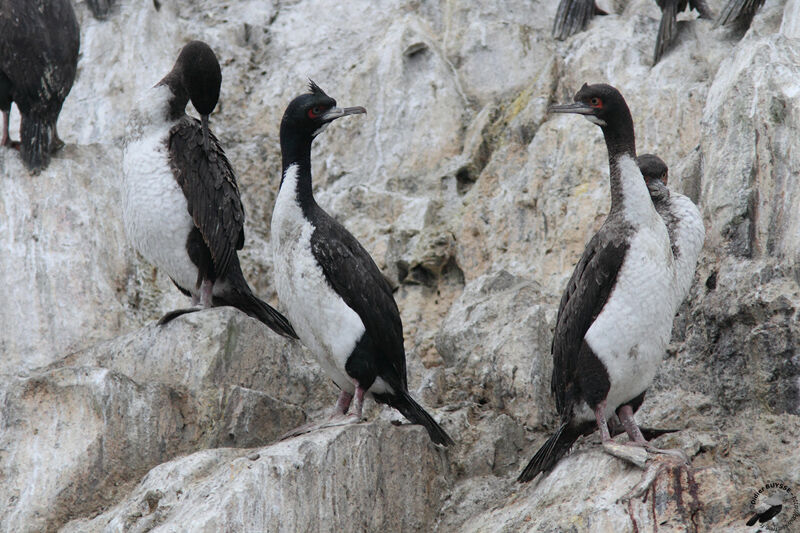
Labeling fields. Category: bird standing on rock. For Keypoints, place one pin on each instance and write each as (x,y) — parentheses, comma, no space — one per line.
(339,302)
(615,317)
(39,42)
(181,204)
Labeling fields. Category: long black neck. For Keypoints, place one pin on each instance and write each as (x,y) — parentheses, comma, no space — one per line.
(180,96)
(296,150)
(620,142)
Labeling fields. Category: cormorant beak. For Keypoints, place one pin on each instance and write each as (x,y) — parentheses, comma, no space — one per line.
(577,107)
(339,112)
(658,189)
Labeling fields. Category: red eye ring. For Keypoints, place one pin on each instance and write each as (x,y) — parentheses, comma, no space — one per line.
(315,112)
(596,102)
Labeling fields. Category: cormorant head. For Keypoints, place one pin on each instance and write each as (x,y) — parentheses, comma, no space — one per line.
(200,75)
(653,168)
(309,114)
(601,104)
(655,173)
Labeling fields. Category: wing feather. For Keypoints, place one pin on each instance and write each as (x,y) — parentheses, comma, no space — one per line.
(353,274)
(209,185)
(586,293)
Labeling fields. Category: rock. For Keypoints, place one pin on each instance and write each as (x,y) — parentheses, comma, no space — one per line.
(78,433)
(319,482)
(76,437)
(495,342)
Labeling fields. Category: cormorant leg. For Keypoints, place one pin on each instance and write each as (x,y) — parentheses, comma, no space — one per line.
(602,424)
(205,293)
(358,405)
(343,403)
(632,429)
(56,143)
(630,425)
(5,141)
(339,417)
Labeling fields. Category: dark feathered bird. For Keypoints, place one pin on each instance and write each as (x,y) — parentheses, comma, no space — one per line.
(181,203)
(615,316)
(339,302)
(39,42)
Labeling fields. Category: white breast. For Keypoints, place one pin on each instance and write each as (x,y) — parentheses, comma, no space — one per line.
(324,323)
(154,207)
(631,333)
(689,234)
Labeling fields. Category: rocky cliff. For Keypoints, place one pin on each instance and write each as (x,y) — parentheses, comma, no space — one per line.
(475,203)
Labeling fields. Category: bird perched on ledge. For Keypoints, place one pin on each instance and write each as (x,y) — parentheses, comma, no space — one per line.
(615,317)
(39,42)
(181,204)
(334,294)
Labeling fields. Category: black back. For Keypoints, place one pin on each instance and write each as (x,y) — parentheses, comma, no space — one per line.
(209,185)
(351,272)
(587,291)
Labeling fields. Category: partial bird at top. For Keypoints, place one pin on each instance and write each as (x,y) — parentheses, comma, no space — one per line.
(39,42)
(739,13)
(181,203)
(574,15)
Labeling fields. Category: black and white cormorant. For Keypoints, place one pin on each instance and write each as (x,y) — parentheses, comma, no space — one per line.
(573,16)
(682,218)
(39,42)
(181,204)
(339,302)
(615,317)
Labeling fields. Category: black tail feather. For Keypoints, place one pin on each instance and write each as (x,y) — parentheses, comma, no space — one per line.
(35,138)
(554,449)
(244,300)
(573,16)
(417,415)
(666,30)
(172,315)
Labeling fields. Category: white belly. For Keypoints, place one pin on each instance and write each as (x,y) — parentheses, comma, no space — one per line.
(632,332)
(154,208)
(324,323)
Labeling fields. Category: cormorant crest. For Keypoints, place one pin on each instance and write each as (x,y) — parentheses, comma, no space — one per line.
(314,88)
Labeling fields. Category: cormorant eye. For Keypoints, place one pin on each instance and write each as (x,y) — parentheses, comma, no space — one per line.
(596,102)
(315,112)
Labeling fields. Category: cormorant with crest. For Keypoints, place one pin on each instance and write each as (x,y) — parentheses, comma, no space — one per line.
(615,317)
(181,203)
(339,302)
(39,42)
